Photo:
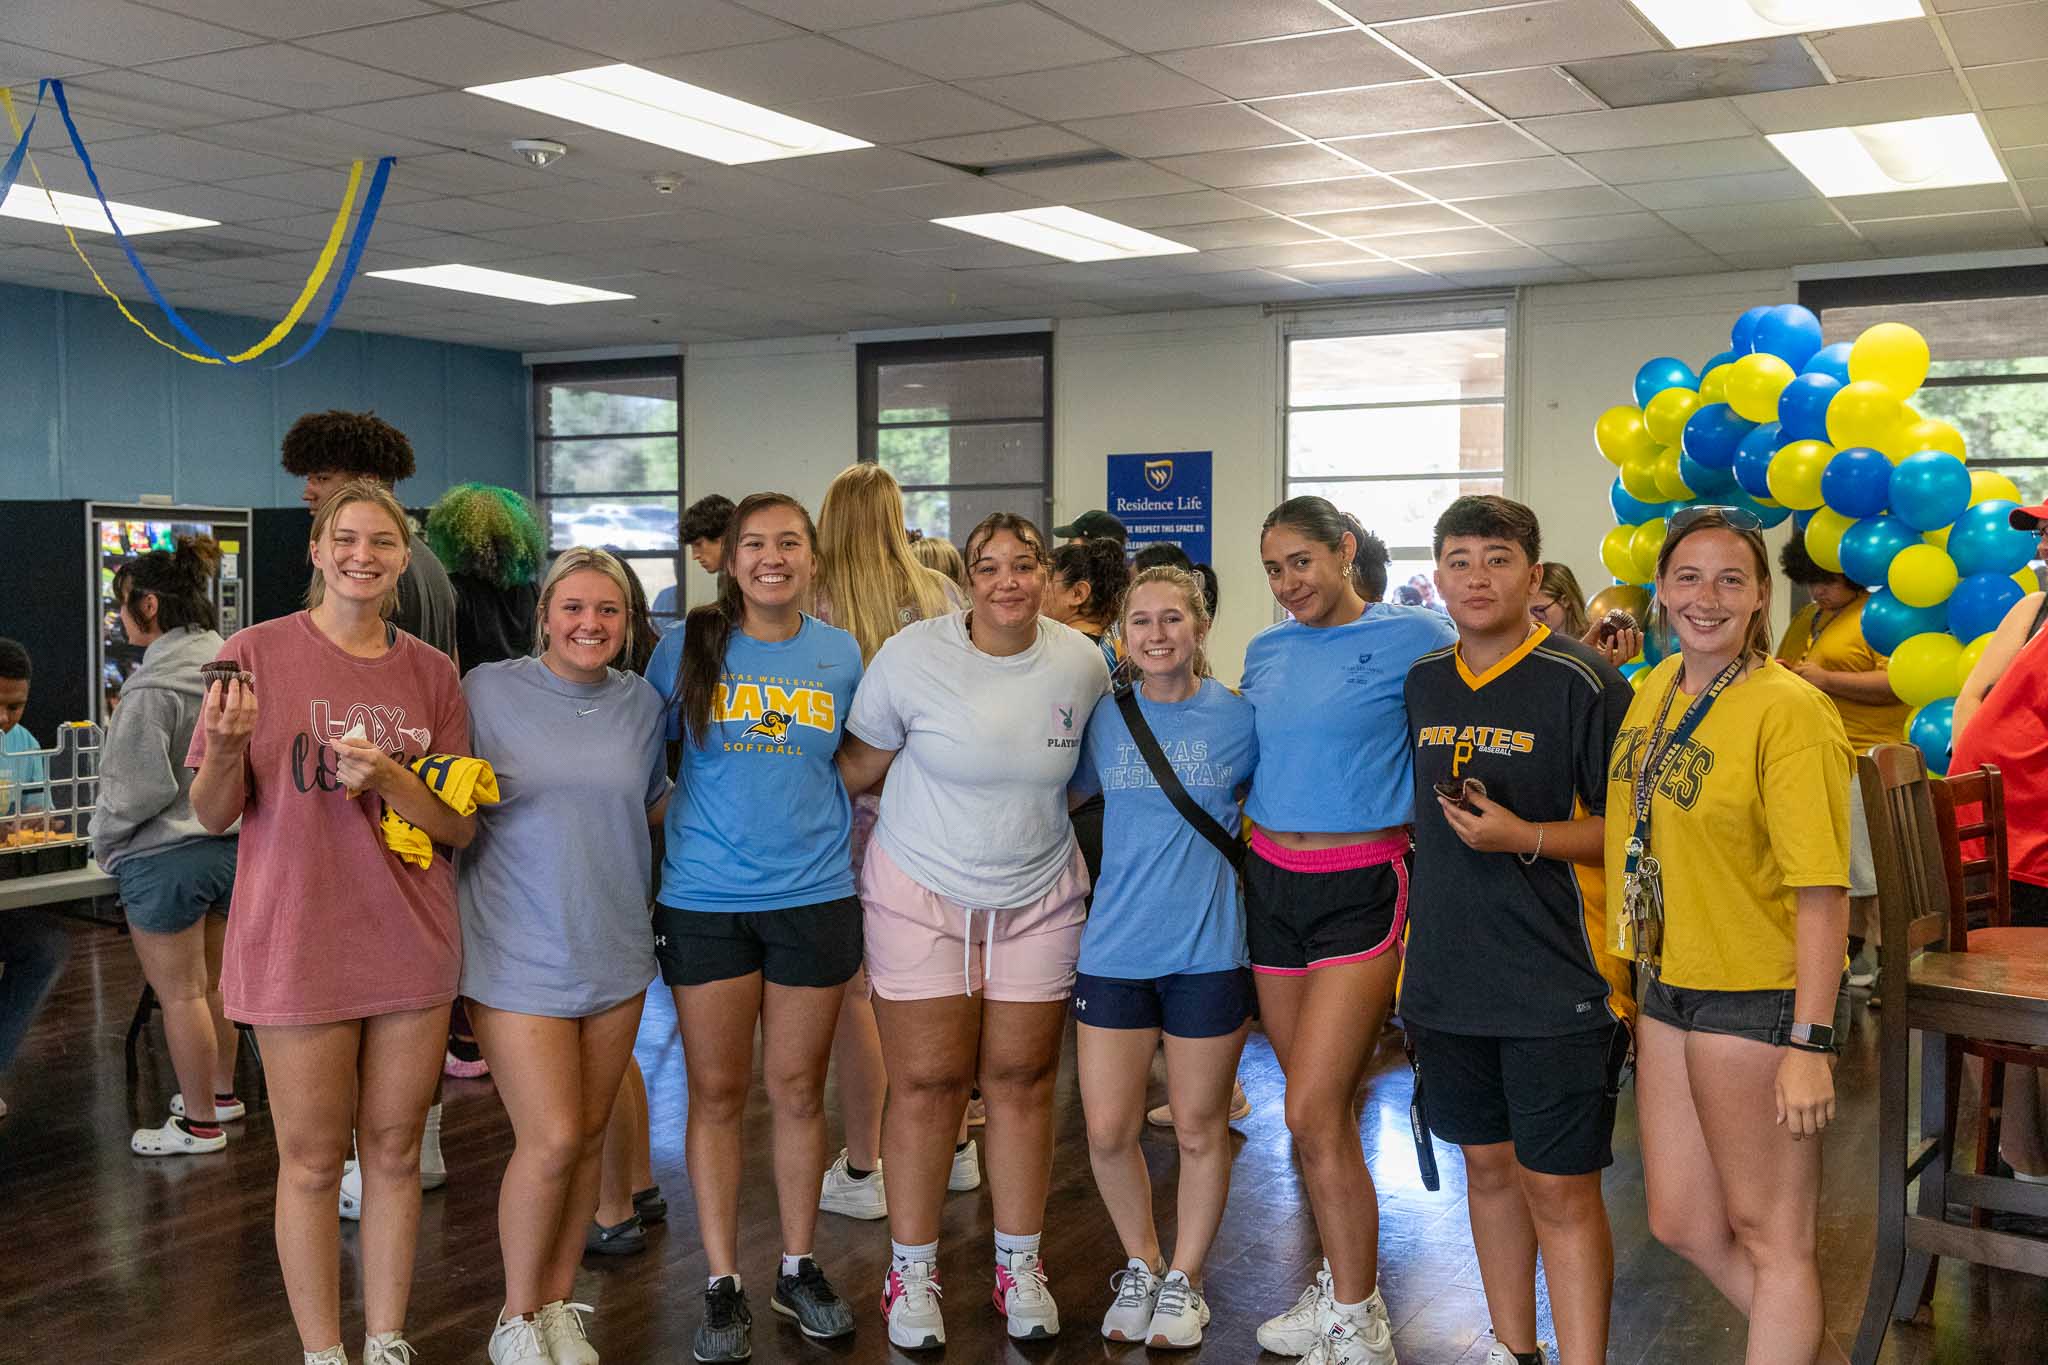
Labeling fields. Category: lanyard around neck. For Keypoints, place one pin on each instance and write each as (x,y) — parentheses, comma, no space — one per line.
(1661,751)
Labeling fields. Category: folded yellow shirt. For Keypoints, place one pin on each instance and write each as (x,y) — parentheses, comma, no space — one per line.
(461,783)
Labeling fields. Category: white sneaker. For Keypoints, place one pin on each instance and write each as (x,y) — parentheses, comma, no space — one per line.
(910,1305)
(516,1341)
(1344,1340)
(1137,1291)
(222,1113)
(561,1332)
(173,1140)
(333,1355)
(966,1172)
(1501,1355)
(351,1191)
(1023,1299)
(842,1194)
(1293,1332)
(1180,1316)
(388,1348)
(433,1166)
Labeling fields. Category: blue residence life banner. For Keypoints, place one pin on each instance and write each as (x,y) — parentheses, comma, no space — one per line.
(1164,497)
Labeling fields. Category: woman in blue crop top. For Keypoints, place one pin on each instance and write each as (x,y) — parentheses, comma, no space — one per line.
(1326,885)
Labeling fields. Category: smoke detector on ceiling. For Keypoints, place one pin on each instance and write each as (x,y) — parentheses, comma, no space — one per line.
(665,184)
(538,152)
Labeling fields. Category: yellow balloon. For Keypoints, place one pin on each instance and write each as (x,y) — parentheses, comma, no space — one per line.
(1714,383)
(1923,669)
(1666,413)
(1972,652)
(1890,354)
(1754,383)
(1938,538)
(2028,580)
(1986,485)
(1794,473)
(1824,538)
(1929,433)
(1644,545)
(1639,475)
(1862,414)
(1618,554)
(1922,576)
(1619,432)
(1670,479)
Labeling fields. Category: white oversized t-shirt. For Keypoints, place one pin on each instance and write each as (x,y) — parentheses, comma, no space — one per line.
(975,807)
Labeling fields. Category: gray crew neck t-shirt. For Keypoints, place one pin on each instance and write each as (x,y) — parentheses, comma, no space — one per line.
(554,891)
(426,599)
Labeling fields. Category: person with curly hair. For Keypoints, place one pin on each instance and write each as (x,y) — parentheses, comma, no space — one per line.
(491,543)
(327,450)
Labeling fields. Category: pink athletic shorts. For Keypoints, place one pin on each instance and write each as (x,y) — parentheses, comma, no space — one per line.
(924,946)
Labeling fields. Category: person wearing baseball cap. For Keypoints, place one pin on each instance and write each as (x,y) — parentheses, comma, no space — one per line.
(2021,624)
(1094,524)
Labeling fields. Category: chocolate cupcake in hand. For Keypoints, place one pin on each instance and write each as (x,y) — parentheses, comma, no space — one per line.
(223,671)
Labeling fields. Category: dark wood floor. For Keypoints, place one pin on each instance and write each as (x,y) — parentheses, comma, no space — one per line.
(113,1257)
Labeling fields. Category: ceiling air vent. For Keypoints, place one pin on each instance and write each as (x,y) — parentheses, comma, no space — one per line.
(1067,162)
(1699,73)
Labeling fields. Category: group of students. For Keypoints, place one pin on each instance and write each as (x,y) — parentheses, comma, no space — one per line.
(868,848)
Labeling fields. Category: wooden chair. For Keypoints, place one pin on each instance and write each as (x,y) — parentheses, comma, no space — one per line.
(1948,994)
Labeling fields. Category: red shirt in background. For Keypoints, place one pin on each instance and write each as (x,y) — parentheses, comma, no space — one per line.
(2010,732)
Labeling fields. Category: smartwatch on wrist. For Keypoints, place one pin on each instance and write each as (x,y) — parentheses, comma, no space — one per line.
(1813,1037)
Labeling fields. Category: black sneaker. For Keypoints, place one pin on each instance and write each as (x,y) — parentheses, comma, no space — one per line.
(728,1330)
(807,1296)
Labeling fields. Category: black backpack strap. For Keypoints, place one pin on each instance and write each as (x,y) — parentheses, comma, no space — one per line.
(1169,782)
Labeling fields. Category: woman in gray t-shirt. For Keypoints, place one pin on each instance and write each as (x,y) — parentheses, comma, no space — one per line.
(557,947)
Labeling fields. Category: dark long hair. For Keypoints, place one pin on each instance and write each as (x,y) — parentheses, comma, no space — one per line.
(1319,520)
(181,580)
(707,630)
(1099,563)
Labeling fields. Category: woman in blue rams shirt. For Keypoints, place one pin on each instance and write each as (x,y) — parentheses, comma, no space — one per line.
(756,919)
(1163,952)
(1326,885)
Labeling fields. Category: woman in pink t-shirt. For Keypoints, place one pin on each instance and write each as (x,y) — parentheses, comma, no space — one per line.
(343,956)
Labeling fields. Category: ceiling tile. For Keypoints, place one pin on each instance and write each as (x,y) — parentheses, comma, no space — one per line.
(312,139)
(186,158)
(150,102)
(1112,180)
(465,173)
(450,49)
(1008,144)
(858,171)
(2024,125)
(288,76)
(1453,241)
(1523,35)
(1508,279)
(1643,270)
(1244,232)
(633,30)
(1514,258)
(1385,11)
(1334,272)
(830,14)
(1126,85)
(1530,93)
(1799,244)
(1833,106)
(1287,257)
(294,18)
(1761,188)
(2002,231)
(1680,161)
(2003,87)
(2036,192)
(1384,222)
(1178,132)
(2027,162)
(1759,218)
(1331,196)
(1616,227)
(1698,73)
(1477,144)
(953,199)
(113,31)
(1775,253)
(1674,251)
(985,42)
(1579,203)
(2006,33)
(1174,210)
(228,206)
(460,215)
(788,70)
(912,115)
(1906,48)
(1291,66)
(1156,25)
(1918,203)
(1262,165)
(1506,177)
(1406,107)
(27,65)
(1693,121)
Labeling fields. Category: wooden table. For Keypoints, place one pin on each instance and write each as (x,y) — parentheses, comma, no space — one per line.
(52,888)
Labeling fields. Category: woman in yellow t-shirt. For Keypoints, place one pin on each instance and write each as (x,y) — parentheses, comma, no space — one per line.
(1744,778)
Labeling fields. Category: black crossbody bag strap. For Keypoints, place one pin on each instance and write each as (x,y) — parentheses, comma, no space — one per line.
(1204,823)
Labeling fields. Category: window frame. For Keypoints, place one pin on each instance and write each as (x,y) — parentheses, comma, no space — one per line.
(870,356)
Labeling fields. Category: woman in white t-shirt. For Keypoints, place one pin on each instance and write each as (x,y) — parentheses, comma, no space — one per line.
(974,893)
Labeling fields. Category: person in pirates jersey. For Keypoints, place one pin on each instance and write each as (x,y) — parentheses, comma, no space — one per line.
(1515,1004)
(349,1038)
(756,920)
(1326,884)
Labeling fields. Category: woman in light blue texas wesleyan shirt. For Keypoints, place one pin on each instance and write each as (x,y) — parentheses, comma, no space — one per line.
(1164,953)
(756,918)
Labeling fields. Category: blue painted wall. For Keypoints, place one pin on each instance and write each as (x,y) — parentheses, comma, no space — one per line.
(94,409)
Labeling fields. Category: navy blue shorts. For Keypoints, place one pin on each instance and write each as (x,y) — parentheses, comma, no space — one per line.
(167,891)
(1186,1004)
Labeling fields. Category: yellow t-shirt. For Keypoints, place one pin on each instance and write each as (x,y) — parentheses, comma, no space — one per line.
(1755,807)
(1842,648)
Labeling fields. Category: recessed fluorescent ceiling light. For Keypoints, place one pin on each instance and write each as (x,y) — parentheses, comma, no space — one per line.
(1880,158)
(498,284)
(75,210)
(1067,233)
(1696,23)
(639,104)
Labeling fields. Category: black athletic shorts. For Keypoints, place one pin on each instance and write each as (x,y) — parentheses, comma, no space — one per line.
(1297,921)
(804,945)
(1552,1097)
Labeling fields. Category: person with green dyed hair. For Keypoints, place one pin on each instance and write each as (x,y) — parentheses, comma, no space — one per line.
(491,541)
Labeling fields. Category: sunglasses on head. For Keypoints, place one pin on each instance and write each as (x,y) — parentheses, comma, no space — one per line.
(1737,518)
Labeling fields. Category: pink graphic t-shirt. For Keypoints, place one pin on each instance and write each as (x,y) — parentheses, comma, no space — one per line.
(327,923)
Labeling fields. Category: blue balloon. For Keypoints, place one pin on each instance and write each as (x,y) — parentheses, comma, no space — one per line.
(1857,482)
(1769,514)
(1789,332)
(1753,460)
(1725,358)
(1704,480)
(1933,731)
(1869,546)
(1630,510)
(1742,337)
(1930,490)
(1832,361)
(1889,623)
(1712,434)
(1803,406)
(1660,374)
(1983,541)
(1980,602)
